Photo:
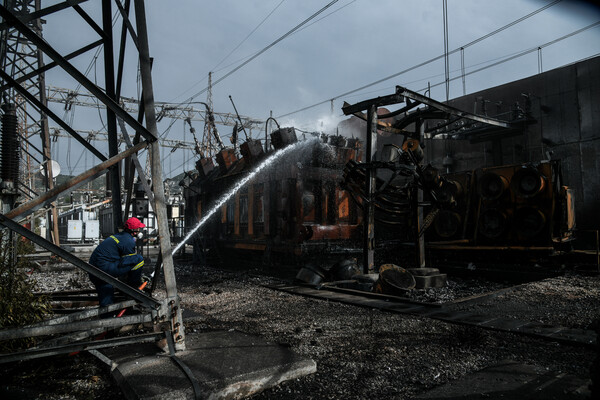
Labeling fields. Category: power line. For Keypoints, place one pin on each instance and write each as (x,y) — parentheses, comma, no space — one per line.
(247,36)
(265,49)
(325,16)
(524,52)
(189,100)
(428,61)
(214,69)
(298,31)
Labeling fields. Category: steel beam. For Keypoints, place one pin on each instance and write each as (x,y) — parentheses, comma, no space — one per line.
(369,206)
(85,314)
(111,119)
(125,14)
(402,94)
(90,21)
(98,273)
(70,348)
(51,114)
(51,65)
(450,110)
(159,192)
(73,326)
(71,70)
(377,102)
(45,11)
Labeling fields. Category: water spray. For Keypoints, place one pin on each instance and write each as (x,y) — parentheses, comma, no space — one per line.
(223,199)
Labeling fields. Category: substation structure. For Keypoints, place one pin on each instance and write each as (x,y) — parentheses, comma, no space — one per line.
(25,122)
(349,199)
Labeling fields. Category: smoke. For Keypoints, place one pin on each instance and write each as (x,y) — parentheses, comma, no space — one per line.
(327,124)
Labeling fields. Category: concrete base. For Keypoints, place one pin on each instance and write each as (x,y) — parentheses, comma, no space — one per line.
(511,380)
(227,365)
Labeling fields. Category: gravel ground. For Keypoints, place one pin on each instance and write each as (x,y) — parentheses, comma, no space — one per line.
(361,353)
(365,353)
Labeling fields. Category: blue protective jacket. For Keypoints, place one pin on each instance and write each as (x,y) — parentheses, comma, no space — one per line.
(116,255)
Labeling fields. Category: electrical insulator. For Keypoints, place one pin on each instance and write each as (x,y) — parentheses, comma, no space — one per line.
(9,163)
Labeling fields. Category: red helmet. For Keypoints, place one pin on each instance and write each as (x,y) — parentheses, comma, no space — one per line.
(133,224)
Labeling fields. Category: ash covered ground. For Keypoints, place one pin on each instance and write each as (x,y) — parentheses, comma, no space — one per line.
(361,353)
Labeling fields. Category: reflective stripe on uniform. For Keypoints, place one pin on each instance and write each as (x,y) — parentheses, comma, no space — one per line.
(128,255)
(115,239)
(138,265)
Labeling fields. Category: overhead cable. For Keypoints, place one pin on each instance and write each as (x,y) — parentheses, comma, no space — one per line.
(428,61)
(299,30)
(247,36)
(522,53)
(214,69)
(264,49)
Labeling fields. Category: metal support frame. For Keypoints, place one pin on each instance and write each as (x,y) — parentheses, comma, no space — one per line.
(160,208)
(153,310)
(434,110)
(111,119)
(71,326)
(75,73)
(369,207)
(70,348)
(162,109)
(90,269)
(72,184)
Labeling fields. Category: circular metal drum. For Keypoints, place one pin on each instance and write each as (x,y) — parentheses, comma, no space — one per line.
(527,182)
(529,222)
(492,223)
(447,223)
(492,186)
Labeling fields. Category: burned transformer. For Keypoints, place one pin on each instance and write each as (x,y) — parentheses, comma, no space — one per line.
(286,214)
(341,198)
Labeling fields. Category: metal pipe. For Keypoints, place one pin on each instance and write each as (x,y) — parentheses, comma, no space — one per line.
(31,206)
(70,338)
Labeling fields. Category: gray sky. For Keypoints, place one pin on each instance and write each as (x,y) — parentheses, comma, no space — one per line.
(361,42)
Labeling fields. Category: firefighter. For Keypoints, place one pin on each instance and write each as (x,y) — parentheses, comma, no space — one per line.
(117,256)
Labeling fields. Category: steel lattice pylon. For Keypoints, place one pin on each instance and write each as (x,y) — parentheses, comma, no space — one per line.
(22,60)
(22,82)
